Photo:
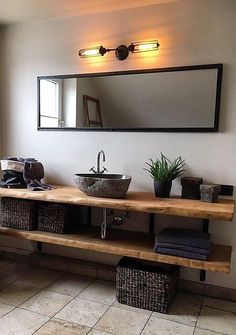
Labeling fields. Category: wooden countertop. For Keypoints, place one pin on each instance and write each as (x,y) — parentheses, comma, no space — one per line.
(134,201)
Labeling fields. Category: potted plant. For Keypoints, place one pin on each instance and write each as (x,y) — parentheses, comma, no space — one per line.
(163,171)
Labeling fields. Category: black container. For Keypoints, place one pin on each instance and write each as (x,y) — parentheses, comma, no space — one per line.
(191,187)
(146,285)
(57,218)
(18,213)
(162,188)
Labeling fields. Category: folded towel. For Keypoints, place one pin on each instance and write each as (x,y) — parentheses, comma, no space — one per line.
(175,252)
(33,173)
(183,248)
(185,237)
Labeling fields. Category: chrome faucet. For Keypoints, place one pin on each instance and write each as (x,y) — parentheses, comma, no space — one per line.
(99,171)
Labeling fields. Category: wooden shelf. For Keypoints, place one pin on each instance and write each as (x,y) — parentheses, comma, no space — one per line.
(135,201)
(125,243)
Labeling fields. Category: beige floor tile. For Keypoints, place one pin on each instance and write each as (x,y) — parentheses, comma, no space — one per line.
(83,312)
(12,272)
(82,270)
(46,302)
(16,293)
(184,309)
(132,309)
(54,264)
(122,322)
(166,327)
(70,285)
(21,322)
(4,309)
(100,291)
(220,304)
(98,332)
(61,327)
(199,331)
(217,320)
(41,277)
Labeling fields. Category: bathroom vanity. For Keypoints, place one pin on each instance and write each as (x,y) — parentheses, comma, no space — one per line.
(125,243)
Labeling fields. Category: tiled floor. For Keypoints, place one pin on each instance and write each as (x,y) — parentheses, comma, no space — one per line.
(46,302)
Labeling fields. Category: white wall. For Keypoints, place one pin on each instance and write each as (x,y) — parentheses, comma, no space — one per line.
(1,83)
(190,32)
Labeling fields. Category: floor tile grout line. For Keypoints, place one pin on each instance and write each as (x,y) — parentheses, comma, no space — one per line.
(210,330)
(109,306)
(201,304)
(146,323)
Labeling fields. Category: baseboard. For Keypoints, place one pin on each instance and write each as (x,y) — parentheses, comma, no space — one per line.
(105,272)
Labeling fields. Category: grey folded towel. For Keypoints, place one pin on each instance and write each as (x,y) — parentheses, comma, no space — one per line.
(183,248)
(181,253)
(185,237)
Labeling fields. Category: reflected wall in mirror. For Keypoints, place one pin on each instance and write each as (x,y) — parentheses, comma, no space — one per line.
(166,99)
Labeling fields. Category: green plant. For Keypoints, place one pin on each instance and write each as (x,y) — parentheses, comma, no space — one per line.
(164,170)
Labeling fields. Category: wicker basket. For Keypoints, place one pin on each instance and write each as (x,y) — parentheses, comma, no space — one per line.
(18,213)
(57,218)
(146,285)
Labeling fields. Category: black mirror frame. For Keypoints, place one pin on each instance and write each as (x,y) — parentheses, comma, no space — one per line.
(218,67)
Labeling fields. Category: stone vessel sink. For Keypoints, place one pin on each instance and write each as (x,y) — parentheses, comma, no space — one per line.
(103,185)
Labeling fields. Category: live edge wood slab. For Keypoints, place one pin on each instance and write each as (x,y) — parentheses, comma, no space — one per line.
(134,201)
(124,243)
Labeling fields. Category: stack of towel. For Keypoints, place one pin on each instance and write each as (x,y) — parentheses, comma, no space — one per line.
(183,242)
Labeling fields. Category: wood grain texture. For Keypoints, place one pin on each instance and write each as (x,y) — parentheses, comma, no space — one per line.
(135,201)
(125,243)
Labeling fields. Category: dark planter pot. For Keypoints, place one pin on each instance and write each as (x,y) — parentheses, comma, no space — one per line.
(162,188)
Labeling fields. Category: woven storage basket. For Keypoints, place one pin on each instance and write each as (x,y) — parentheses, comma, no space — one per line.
(18,213)
(57,218)
(146,285)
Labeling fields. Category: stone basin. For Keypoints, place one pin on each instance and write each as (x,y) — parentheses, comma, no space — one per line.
(103,185)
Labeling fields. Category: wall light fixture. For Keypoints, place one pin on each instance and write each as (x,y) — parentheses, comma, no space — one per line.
(122,51)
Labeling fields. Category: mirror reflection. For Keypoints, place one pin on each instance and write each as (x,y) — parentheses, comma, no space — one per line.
(172,99)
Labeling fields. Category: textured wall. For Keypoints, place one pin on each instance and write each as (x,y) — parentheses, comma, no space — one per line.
(190,32)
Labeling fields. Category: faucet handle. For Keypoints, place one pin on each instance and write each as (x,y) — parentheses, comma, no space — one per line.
(92,169)
(103,170)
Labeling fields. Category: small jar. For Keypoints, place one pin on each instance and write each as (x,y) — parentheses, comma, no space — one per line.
(209,193)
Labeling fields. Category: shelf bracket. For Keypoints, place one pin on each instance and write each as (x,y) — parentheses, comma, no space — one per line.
(151,223)
(39,246)
(205,229)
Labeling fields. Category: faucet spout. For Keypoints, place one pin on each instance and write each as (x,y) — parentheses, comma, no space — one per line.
(101,155)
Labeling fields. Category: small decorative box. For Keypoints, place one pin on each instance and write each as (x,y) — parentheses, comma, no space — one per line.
(209,193)
(191,187)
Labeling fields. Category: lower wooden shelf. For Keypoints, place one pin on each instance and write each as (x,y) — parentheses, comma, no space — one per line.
(125,243)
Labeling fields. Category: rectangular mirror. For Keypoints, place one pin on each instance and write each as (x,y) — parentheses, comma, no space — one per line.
(166,99)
